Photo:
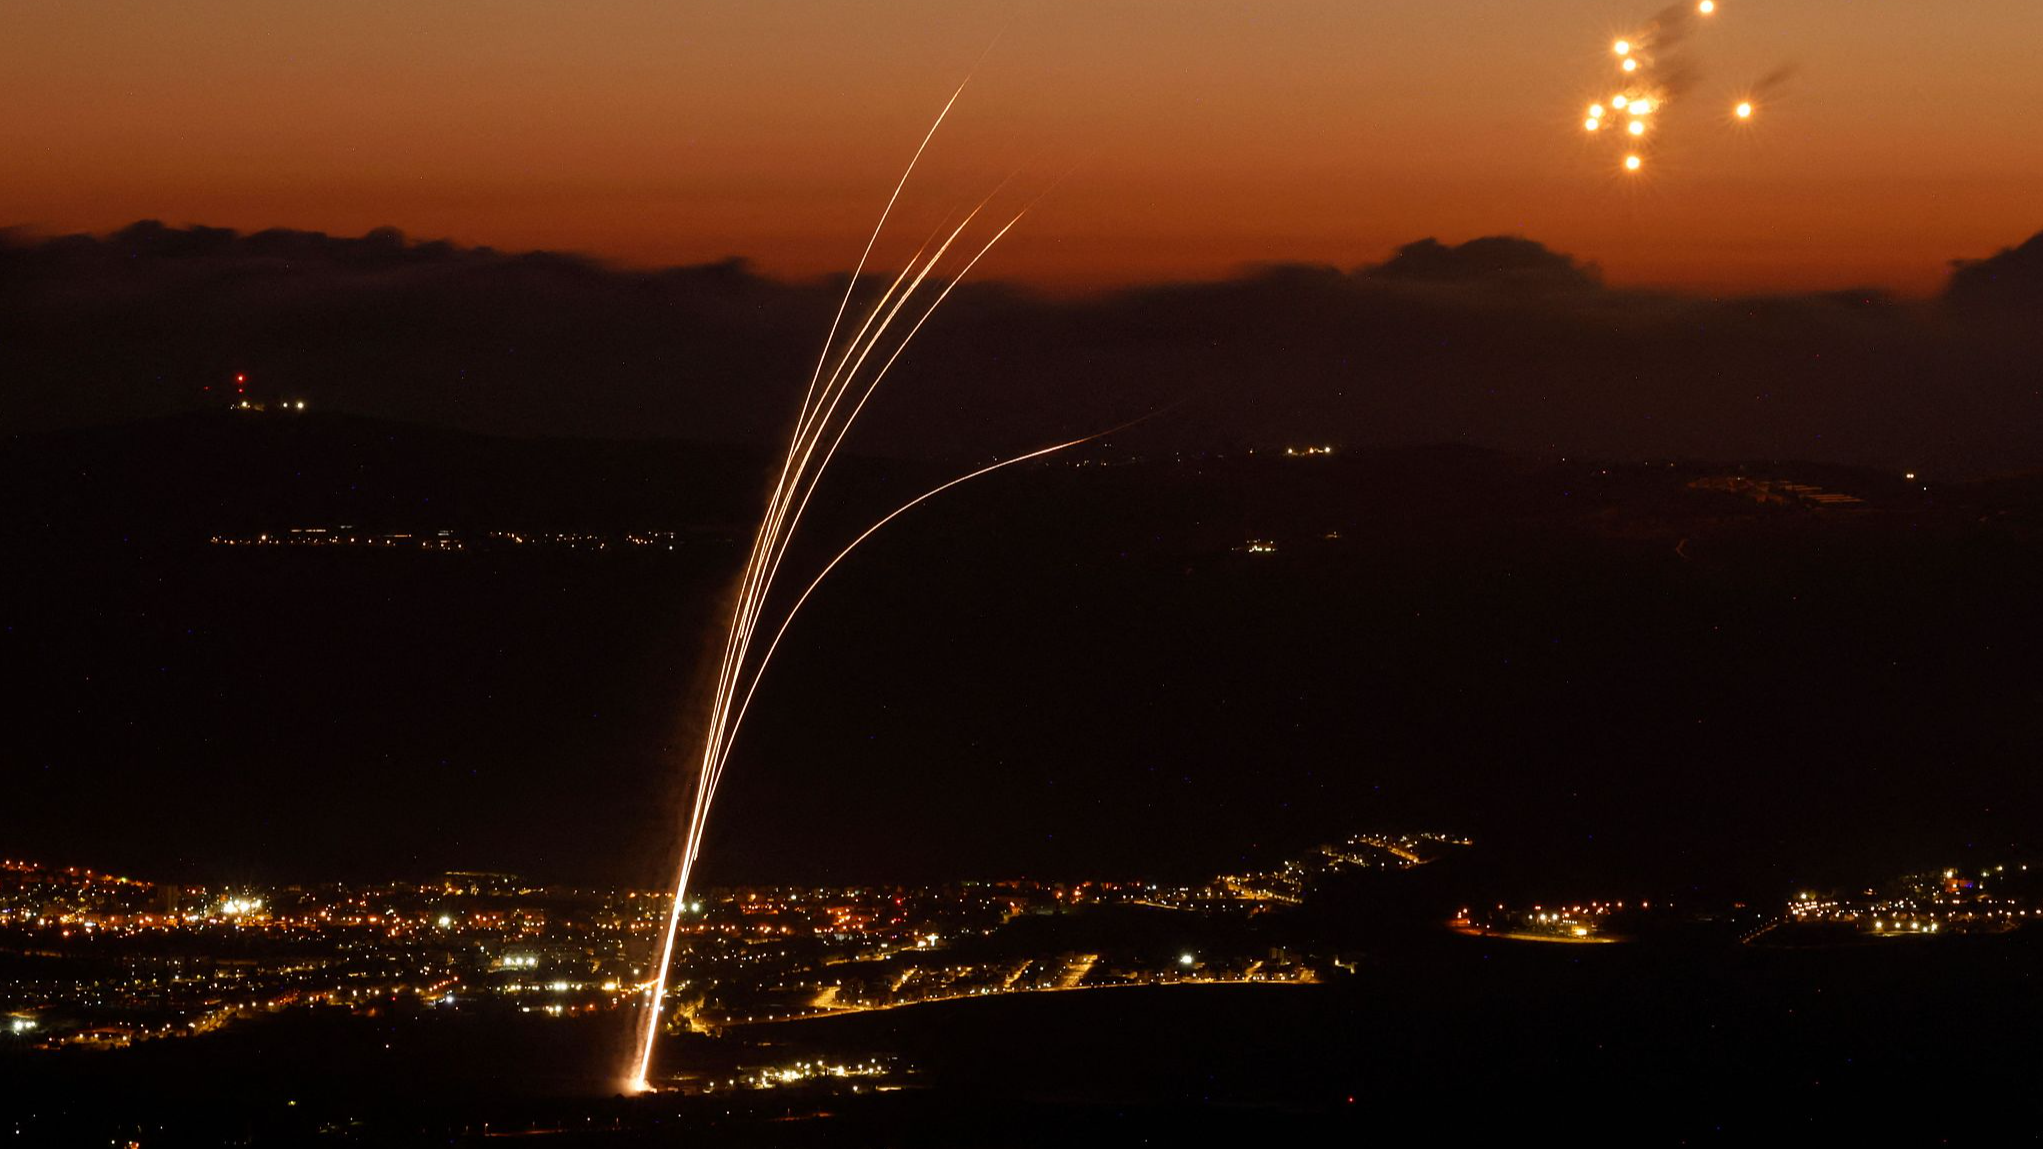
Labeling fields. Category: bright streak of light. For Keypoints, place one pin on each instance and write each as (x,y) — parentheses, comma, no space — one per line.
(730,731)
(819,403)
(877,228)
(869,532)
(822,422)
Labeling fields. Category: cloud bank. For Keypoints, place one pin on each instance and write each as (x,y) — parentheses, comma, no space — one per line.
(1498,342)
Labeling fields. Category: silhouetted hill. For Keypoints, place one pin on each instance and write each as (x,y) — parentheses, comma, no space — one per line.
(1498,342)
(1122,662)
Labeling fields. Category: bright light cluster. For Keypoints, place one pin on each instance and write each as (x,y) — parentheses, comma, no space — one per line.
(1635,56)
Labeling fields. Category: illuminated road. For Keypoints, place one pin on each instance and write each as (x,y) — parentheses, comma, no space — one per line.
(1076,971)
(818,1011)
(1470,929)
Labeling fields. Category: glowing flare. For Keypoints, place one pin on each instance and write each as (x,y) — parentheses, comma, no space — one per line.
(1622,47)
(1620,102)
(1706,7)
(1631,65)
(1641,107)
(1596,111)
(1632,163)
(1637,127)
(1745,111)
(1591,124)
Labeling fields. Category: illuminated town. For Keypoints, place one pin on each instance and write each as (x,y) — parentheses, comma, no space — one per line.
(109,961)
(118,960)
(1993,900)
(1990,900)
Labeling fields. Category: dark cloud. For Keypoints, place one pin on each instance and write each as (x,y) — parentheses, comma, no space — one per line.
(1498,260)
(143,320)
(1496,342)
(2009,280)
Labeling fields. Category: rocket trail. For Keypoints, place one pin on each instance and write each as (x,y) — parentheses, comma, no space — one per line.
(879,227)
(747,592)
(830,405)
(845,428)
(787,620)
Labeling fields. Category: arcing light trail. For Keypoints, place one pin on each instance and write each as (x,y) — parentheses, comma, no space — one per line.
(821,425)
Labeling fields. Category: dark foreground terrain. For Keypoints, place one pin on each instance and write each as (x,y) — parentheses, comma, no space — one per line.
(1743,676)
(1695,680)
(1453,1040)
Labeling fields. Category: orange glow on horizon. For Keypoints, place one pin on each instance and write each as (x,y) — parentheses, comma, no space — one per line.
(1180,146)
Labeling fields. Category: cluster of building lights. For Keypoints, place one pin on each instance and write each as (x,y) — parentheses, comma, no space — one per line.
(1927,904)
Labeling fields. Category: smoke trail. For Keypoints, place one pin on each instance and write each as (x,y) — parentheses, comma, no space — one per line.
(1772,83)
(1668,27)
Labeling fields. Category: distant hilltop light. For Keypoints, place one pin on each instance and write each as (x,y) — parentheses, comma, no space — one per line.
(254,405)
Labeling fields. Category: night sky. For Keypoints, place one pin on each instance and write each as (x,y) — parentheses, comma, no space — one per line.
(566,269)
(1319,493)
(1192,137)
